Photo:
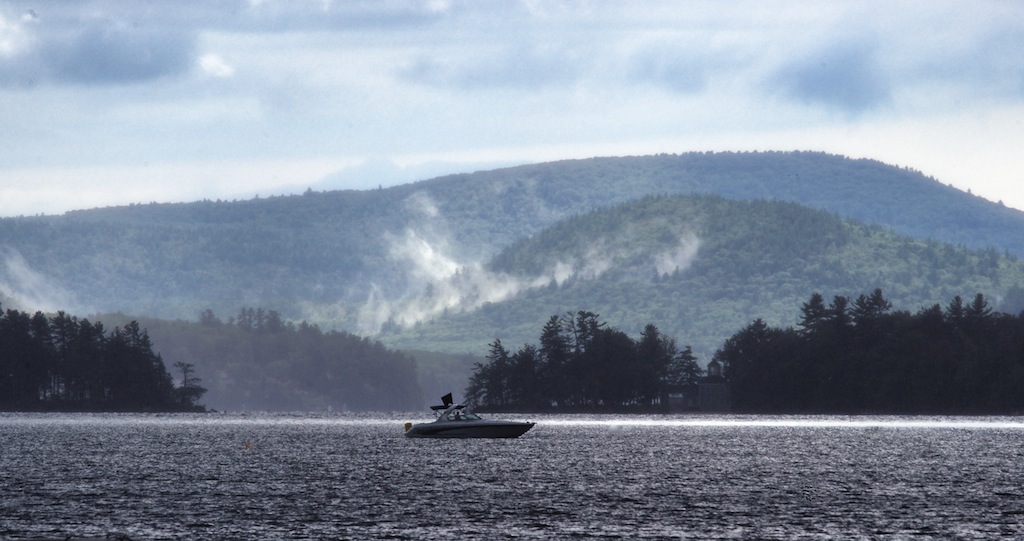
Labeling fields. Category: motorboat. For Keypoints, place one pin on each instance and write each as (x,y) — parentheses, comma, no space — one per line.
(457,421)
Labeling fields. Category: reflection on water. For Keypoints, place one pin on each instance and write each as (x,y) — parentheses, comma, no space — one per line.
(257,476)
(814,421)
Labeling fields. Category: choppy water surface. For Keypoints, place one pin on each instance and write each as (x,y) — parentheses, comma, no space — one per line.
(343,477)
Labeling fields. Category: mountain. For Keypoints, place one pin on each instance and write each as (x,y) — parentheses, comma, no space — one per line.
(352,259)
(698,244)
(701,267)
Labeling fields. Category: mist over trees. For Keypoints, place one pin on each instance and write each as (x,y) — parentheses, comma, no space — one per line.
(859,356)
(582,364)
(257,360)
(704,266)
(444,265)
(63,363)
(305,254)
(253,361)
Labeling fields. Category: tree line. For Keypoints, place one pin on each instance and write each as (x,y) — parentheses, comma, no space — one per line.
(754,259)
(62,363)
(254,360)
(583,364)
(860,356)
(258,360)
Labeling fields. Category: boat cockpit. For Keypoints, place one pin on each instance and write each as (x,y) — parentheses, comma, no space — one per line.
(458,415)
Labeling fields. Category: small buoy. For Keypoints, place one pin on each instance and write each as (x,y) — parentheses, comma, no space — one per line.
(408,426)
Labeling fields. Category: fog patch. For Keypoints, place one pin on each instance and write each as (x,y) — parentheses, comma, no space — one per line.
(428,261)
(595,262)
(562,271)
(465,289)
(679,258)
(440,284)
(437,278)
(29,289)
(422,203)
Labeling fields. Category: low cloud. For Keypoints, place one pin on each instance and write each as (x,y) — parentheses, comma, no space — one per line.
(678,259)
(439,283)
(465,289)
(28,289)
(429,261)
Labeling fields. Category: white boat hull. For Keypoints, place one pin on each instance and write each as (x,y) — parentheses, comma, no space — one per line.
(469,429)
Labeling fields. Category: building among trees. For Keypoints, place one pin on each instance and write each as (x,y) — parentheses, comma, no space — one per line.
(713,390)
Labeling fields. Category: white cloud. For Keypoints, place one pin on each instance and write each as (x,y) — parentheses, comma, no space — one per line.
(13,37)
(214,65)
(112,85)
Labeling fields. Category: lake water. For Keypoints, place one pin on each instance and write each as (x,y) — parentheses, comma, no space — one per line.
(263,476)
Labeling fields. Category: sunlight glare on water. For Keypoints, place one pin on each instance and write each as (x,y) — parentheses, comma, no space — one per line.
(333,476)
(798,421)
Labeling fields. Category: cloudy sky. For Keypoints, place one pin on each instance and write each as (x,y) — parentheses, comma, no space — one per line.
(110,102)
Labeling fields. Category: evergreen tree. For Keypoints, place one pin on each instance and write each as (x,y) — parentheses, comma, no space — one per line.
(66,363)
(869,308)
(955,311)
(655,357)
(190,391)
(966,360)
(813,313)
(684,371)
(557,360)
(582,363)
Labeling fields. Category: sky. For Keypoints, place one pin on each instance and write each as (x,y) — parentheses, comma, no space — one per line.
(112,102)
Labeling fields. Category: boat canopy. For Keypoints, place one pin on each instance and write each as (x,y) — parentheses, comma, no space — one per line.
(446,402)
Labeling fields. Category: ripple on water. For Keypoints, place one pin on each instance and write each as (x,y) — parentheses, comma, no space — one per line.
(321,476)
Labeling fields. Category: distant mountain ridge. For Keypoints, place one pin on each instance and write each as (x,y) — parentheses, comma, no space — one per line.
(862,189)
(351,259)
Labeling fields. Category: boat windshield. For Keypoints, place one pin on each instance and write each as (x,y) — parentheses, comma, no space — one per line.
(463,416)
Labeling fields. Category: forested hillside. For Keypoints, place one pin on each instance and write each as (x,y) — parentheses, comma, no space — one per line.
(449,264)
(353,259)
(701,267)
(254,360)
